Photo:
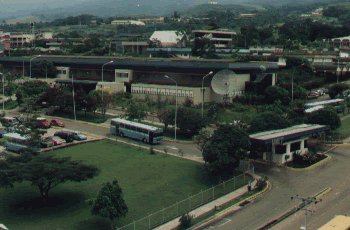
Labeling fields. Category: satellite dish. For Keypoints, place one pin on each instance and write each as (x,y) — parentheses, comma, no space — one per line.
(224,82)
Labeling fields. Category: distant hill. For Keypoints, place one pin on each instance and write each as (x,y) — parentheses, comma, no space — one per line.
(202,9)
(25,19)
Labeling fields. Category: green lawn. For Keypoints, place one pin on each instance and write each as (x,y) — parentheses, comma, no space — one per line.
(149,182)
(98,118)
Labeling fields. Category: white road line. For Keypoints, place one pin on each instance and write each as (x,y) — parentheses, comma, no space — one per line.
(330,209)
(228,220)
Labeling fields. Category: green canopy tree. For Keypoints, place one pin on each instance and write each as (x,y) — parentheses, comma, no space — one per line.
(267,121)
(337,89)
(109,202)
(187,120)
(33,88)
(136,111)
(45,172)
(326,116)
(226,147)
(273,93)
(39,69)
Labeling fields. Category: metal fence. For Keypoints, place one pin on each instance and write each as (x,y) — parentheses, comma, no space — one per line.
(334,136)
(191,202)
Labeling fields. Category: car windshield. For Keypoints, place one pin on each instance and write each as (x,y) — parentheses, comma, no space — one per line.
(55,138)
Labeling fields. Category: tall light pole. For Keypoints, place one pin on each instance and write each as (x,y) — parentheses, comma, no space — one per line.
(46,74)
(75,116)
(23,71)
(307,201)
(175,103)
(30,63)
(203,90)
(3,92)
(102,78)
(293,80)
(338,72)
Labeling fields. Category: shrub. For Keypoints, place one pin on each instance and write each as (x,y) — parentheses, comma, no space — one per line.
(188,102)
(151,151)
(186,220)
(274,93)
(261,183)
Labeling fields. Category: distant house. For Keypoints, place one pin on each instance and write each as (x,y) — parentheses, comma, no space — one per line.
(127,22)
(170,38)
(221,38)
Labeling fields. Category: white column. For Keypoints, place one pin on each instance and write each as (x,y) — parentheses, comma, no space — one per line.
(288,149)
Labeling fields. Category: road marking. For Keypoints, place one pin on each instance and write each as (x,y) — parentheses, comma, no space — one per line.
(228,220)
(330,208)
(172,147)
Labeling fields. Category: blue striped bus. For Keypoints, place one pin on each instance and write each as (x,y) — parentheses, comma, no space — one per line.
(337,103)
(135,130)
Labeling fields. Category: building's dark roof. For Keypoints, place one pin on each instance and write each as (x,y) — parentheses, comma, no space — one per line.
(146,64)
(288,134)
(168,50)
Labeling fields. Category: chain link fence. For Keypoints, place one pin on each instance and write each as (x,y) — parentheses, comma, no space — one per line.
(190,203)
(334,137)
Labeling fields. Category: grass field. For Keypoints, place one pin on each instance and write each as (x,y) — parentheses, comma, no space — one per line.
(149,183)
(98,118)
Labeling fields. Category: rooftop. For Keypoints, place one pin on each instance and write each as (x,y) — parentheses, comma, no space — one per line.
(338,222)
(288,134)
(166,36)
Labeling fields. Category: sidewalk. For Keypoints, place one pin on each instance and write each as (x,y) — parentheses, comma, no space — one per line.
(173,224)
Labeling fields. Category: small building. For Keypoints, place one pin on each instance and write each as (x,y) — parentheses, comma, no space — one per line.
(221,38)
(337,223)
(138,47)
(170,38)
(283,143)
(127,22)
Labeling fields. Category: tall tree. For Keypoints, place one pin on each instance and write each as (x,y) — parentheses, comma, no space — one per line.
(326,116)
(109,202)
(40,67)
(136,111)
(267,121)
(227,146)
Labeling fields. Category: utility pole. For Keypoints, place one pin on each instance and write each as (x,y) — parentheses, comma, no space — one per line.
(306,201)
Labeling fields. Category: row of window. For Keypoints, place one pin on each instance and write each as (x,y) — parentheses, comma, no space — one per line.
(122,75)
(158,91)
(130,127)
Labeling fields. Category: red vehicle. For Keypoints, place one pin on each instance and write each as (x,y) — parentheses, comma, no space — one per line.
(57,123)
(41,122)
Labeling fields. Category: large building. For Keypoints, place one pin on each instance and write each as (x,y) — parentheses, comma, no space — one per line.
(221,38)
(170,38)
(142,77)
(20,39)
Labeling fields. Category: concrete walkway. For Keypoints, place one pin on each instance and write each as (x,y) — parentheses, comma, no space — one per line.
(173,224)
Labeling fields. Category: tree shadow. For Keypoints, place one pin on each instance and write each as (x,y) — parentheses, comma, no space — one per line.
(55,203)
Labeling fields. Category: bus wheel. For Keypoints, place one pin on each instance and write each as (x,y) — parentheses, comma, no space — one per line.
(122,134)
(144,140)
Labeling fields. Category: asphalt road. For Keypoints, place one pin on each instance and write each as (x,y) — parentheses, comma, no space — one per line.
(287,183)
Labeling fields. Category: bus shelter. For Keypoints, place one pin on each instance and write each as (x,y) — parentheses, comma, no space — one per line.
(281,144)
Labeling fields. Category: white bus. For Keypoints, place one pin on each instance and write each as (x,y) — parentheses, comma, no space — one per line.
(145,133)
(334,102)
(16,142)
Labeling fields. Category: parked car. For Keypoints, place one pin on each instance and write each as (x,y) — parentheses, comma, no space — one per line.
(46,143)
(42,123)
(312,96)
(58,123)
(320,92)
(55,139)
(65,135)
(4,131)
(9,121)
(79,136)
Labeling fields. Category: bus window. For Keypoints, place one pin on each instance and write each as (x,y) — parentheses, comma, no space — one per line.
(127,126)
(145,131)
(133,128)
(139,130)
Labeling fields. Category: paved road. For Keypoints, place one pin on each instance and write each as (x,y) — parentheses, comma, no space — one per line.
(287,183)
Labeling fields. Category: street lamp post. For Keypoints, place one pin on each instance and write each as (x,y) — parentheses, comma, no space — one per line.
(102,78)
(175,103)
(338,72)
(3,92)
(75,116)
(30,63)
(46,74)
(203,90)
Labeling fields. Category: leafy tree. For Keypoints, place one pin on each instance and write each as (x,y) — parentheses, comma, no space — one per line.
(187,120)
(39,69)
(200,46)
(186,219)
(19,96)
(267,121)
(33,88)
(337,89)
(136,111)
(10,89)
(226,147)
(154,43)
(93,101)
(326,116)
(45,172)
(274,93)
(109,202)
(165,117)
(31,105)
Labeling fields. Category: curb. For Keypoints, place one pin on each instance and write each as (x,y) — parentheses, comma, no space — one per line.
(229,210)
(312,166)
